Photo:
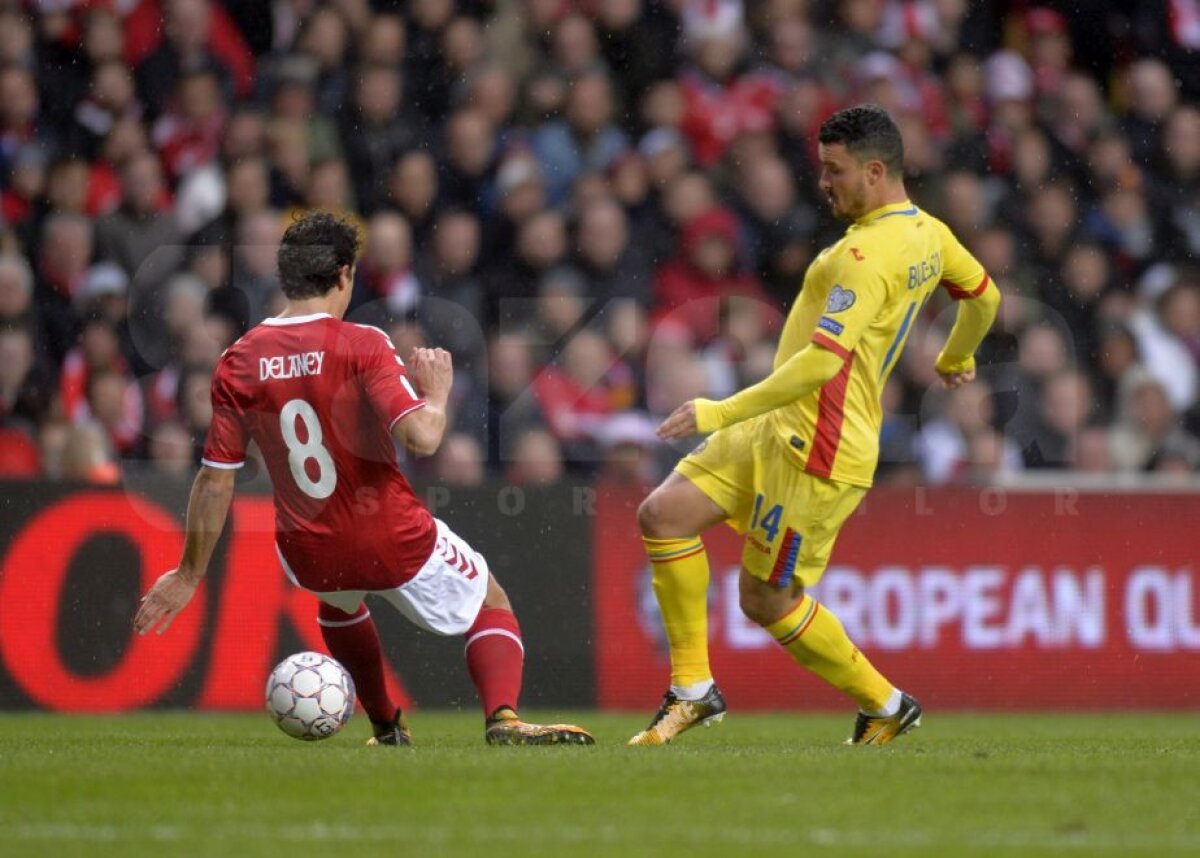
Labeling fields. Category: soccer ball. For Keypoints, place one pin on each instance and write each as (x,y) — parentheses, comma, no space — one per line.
(310,696)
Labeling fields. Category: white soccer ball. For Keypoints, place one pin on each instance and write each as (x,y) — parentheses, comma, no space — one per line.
(310,696)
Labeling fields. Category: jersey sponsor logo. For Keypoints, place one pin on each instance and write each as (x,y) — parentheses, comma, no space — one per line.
(857,254)
(830,325)
(290,366)
(840,299)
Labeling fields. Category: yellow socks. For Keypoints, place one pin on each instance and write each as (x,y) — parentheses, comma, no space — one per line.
(681,586)
(816,639)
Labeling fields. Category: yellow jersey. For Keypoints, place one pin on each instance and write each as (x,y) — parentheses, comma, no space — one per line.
(859,300)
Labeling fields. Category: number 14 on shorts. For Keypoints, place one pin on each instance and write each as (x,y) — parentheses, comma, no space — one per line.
(768,522)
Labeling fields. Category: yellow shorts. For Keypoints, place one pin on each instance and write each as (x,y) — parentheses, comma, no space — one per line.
(790,518)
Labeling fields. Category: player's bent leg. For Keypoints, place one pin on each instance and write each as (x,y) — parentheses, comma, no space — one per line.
(671,519)
(817,640)
(353,640)
(495,657)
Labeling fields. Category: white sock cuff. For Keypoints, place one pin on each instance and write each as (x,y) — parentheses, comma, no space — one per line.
(694,691)
(483,634)
(337,624)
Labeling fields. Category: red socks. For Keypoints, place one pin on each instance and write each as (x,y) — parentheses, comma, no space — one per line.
(353,641)
(496,658)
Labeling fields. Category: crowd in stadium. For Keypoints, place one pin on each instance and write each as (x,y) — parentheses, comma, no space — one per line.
(601,207)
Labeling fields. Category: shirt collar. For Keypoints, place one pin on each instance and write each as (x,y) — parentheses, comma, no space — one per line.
(906,207)
(295,320)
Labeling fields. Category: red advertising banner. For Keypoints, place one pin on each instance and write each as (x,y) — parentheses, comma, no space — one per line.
(75,560)
(971,599)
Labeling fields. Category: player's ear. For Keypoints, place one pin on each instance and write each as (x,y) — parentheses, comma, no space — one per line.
(346,277)
(876,172)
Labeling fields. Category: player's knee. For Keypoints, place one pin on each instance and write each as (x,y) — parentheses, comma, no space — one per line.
(495,596)
(758,607)
(653,518)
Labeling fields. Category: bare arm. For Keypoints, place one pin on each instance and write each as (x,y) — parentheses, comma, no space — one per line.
(208,506)
(421,431)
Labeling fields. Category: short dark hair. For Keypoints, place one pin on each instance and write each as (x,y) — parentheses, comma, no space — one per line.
(868,132)
(313,252)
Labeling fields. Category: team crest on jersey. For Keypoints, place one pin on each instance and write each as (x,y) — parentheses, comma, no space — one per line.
(840,299)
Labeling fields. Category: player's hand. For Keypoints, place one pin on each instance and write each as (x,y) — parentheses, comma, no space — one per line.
(951,380)
(162,602)
(681,423)
(433,371)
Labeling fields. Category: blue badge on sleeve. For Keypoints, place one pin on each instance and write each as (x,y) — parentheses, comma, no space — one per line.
(840,299)
(830,325)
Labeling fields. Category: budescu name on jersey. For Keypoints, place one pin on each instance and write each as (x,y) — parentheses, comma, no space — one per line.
(924,271)
(290,366)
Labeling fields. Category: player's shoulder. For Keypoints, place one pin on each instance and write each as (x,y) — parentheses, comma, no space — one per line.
(934,225)
(367,335)
(859,250)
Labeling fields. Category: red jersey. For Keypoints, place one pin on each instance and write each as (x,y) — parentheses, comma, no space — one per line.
(319,396)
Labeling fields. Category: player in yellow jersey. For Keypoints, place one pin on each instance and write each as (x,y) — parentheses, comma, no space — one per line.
(790,458)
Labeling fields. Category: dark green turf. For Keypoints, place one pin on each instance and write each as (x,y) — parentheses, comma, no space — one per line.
(775,785)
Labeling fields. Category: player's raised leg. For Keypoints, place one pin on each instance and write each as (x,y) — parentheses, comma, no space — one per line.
(817,640)
(495,659)
(671,519)
(353,640)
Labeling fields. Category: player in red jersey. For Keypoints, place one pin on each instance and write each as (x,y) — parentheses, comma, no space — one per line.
(325,400)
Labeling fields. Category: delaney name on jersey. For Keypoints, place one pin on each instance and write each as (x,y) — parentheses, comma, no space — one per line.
(290,366)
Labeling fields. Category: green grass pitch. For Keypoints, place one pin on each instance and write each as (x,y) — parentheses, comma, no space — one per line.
(185,784)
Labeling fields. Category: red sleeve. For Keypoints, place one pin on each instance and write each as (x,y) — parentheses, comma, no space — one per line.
(227,436)
(385,379)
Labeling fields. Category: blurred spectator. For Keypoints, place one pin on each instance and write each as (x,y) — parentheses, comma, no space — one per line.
(66,247)
(87,456)
(562,301)
(191,40)
(413,190)
(613,265)
(722,98)
(512,407)
(141,236)
(637,41)
(459,462)
(188,134)
(628,442)
(581,388)
(452,302)
(691,288)
(469,153)
(585,140)
(17,306)
(385,271)
(19,115)
(540,246)
(945,443)
(95,374)
(1152,94)
(1148,429)
(535,460)
(24,386)
(171,449)
(377,130)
